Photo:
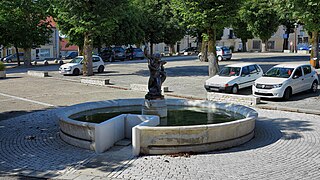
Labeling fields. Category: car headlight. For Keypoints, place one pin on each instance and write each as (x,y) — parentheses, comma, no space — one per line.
(277,85)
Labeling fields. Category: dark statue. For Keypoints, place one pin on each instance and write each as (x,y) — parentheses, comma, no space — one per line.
(157,77)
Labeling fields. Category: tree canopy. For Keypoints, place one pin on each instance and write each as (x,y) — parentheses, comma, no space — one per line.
(261,17)
(209,15)
(24,24)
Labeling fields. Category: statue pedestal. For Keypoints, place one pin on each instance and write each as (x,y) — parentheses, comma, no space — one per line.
(155,107)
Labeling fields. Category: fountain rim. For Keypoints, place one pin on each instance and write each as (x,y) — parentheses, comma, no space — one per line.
(67,112)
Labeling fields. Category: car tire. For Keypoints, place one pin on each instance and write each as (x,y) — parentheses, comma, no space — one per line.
(235,89)
(220,58)
(287,94)
(76,72)
(314,87)
(100,69)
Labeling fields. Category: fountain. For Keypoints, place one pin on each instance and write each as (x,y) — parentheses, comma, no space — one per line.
(150,127)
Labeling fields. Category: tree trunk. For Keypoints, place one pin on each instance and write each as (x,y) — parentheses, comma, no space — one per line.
(244,45)
(151,48)
(171,49)
(80,50)
(204,51)
(87,62)
(315,47)
(264,46)
(18,57)
(212,54)
(27,57)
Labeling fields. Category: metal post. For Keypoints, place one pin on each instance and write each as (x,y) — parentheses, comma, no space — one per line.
(295,37)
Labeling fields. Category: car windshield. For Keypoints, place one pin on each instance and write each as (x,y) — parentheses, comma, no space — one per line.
(230,71)
(279,72)
(76,60)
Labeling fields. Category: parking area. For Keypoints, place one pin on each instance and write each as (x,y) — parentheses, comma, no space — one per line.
(186,77)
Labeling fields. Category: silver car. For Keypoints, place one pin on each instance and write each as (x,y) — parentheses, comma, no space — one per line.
(223,53)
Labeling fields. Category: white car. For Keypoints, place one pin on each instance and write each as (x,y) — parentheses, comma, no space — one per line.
(281,81)
(75,66)
(233,77)
(223,53)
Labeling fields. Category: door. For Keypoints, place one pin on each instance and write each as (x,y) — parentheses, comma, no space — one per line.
(95,63)
(308,77)
(246,79)
(297,81)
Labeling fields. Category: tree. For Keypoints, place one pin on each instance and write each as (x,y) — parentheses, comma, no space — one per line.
(240,28)
(24,24)
(173,30)
(262,19)
(88,19)
(209,15)
(306,12)
(154,23)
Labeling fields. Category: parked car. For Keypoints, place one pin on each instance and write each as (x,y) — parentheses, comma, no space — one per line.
(75,66)
(71,55)
(233,77)
(282,81)
(118,54)
(134,53)
(13,57)
(189,50)
(106,54)
(223,53)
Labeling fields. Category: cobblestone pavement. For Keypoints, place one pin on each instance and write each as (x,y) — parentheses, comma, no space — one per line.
(286,146)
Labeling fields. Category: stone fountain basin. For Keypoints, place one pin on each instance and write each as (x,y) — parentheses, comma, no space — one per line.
(147,138)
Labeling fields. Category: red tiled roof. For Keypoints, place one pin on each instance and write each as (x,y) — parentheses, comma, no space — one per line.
(65,47)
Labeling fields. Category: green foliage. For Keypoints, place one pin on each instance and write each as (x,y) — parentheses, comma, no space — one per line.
(23,23)
(2,66)
(77,17)
(261,17)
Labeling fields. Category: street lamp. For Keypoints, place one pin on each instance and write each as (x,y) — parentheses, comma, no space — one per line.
(295,36)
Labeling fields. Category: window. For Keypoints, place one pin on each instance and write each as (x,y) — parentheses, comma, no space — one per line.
(166,48)
(305,39)
(256,44)
(257,68)
(45,53)
(298,72)
(252,69)
(245,71)
(270,44)
(306,70)
(95,59)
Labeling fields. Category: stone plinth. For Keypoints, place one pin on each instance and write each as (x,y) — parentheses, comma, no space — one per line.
(38,73)
(155,107)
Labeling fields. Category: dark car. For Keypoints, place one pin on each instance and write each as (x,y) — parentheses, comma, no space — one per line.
(106,54)
(134,53)
(189,50)
(118,54)
(13,57)
(72,55)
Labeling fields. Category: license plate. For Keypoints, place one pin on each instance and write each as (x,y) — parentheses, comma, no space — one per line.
(214,89)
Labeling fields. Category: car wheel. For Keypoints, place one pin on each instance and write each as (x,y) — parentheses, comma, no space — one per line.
(220,58)
(235,89)
(199,57)
(100,69)
(314,87)
(76,72)
(287,94)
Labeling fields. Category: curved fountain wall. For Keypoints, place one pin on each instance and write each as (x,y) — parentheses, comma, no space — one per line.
(147,138)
